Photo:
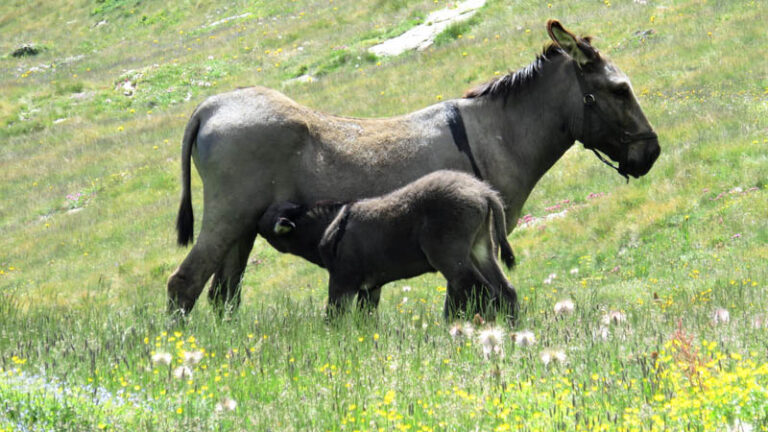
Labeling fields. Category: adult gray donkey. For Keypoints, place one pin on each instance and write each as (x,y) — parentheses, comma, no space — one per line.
(253,147)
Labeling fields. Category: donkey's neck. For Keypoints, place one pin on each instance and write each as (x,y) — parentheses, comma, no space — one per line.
(523,135)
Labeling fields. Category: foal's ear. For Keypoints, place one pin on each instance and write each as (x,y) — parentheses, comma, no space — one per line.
(283,226)
(579,49)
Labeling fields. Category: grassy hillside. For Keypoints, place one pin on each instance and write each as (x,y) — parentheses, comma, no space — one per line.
(89,165)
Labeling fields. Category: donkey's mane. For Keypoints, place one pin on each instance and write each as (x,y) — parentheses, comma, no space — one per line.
(324,210)
(513,82)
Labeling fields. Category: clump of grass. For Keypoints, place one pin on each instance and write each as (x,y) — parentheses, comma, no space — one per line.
(106,7)
(333,61)
(456,30)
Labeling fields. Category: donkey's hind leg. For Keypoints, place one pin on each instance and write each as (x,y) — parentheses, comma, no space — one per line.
(222,229)
(224,293)
(187,282)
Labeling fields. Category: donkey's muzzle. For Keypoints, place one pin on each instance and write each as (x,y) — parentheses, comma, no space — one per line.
(641,156)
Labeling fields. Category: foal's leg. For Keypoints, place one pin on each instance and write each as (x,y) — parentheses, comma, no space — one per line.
(467,292)
(453,260)
(340,293)
(369,299)
(502,294)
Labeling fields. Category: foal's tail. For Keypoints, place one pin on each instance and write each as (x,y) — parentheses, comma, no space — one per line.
(500,231)
(185,220)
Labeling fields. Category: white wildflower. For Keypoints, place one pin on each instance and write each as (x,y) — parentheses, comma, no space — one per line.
(550,278)
(406,288)
(614,317)
(524,338)
(603,333)
(759,321)
(192,357)
(491,340)
(162,358)
(564,307)
(182,373)
(574,271)
(226,404)
(552,356)
(741,426)
(461,331)
(721,316)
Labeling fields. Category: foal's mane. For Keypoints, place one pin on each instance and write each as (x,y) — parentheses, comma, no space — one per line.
(514,82)
(324,210)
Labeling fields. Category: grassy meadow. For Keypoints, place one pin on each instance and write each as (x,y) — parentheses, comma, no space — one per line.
(667,274)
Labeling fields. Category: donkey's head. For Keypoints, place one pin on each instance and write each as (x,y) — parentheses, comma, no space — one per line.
(611,119)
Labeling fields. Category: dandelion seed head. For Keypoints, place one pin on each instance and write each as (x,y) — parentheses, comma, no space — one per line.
(491,339)
(491,336)
(460,331)
(741,426)
(182,373)
(721,316)
(193,357)
(564,307)
(524,338)
(162,358)
(614,317)
(226,404)
(489,352)
(760,321)
(551,356)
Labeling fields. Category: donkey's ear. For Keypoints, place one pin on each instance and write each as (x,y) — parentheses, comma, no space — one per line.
(579,49)
(283,226)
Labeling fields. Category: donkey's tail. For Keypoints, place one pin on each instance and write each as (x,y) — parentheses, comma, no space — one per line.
(500,231)
(185,220)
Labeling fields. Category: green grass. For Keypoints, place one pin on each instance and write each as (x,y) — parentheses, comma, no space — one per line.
(456,30)
(82,279)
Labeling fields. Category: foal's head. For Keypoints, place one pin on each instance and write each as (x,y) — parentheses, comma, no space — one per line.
(297,229)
